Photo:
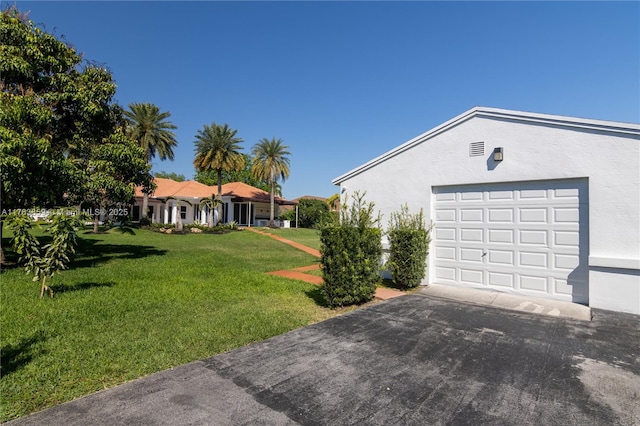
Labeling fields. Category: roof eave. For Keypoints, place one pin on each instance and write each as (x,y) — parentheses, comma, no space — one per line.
(558,120)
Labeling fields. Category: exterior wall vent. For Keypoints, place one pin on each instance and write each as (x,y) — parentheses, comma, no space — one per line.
(476,149)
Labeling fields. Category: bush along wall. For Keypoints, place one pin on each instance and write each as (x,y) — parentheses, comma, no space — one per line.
(351,250)
(409,240)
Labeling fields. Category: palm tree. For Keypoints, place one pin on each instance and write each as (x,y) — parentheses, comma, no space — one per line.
(149,128)
(270,162)
(211,203)
(179,225)
(277,189)
(217,148)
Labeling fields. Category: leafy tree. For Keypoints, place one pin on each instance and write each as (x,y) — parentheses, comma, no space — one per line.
(55,112)
(217,149)
(111,168)
(44,262)
(271,163)
(171,175)
(210,177)
(151,130)
(312,213)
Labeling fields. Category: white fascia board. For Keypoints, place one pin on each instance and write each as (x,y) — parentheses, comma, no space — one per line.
(546,119)
(559,120)
(405,146)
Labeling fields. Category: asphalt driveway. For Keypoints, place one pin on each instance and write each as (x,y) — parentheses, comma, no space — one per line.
(413,360)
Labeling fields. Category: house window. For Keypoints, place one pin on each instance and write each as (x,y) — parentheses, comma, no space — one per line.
(183,212)
(242,214)
(225,212)
(150,214)
(136,212)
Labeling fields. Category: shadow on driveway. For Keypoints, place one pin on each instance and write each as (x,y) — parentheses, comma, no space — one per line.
(413,360)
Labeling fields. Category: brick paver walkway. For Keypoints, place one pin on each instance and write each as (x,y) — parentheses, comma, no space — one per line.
(299,273)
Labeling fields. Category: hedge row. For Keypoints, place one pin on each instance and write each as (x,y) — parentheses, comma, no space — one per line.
(409,246)
(351,251)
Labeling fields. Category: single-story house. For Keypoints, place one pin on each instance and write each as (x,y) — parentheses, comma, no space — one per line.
(241,203)
(533,204)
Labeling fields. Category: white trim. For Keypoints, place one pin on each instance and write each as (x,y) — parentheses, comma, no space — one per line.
(614,262)
(546,119)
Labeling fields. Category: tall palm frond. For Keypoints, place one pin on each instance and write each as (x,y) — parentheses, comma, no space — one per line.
(148,126)
(153,133)
(218,148)
(271,163)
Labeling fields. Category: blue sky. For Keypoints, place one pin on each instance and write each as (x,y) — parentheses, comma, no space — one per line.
(343,82)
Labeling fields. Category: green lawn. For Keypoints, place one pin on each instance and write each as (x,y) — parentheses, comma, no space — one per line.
(308,237)
(132,305)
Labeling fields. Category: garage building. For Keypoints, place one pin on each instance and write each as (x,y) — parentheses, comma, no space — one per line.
(534,204)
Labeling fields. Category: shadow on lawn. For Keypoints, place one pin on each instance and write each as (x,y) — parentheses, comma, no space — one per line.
(317,296)
(22,353)
(65,288)
(91,253)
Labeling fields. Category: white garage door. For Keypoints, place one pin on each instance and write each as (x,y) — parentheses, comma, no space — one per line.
(523,237)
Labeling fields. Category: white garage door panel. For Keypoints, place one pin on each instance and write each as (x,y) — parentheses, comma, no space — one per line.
(527,237)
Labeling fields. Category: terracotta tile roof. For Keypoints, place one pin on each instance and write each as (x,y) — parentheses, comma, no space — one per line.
(239,189)
(249,193)
(193,189)
(188,188)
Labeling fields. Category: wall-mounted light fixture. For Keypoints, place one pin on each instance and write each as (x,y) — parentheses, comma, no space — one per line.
(498,154)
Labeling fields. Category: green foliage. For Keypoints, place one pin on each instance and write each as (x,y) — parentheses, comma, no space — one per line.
(312,213)
(148,127)
(271,163)
(44,262)
(334,202)
(217,149)
(26,246)
(170,175)
(144,222)
(111,172)
(61,137)
(210,177)
(150,130)
(351,251)
(409,246)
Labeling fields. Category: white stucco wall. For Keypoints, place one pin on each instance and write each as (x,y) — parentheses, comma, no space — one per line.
(535,148)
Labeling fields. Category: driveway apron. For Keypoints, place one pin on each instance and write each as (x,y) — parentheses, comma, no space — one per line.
(413,360)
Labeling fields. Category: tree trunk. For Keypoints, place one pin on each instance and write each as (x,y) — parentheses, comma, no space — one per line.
(44,287)
(272,223)
(96,223)
(145,205)
(1,229)
(219,207)
(1,249)
(210,218)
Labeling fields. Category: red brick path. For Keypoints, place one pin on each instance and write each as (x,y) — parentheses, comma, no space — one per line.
(298,273)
